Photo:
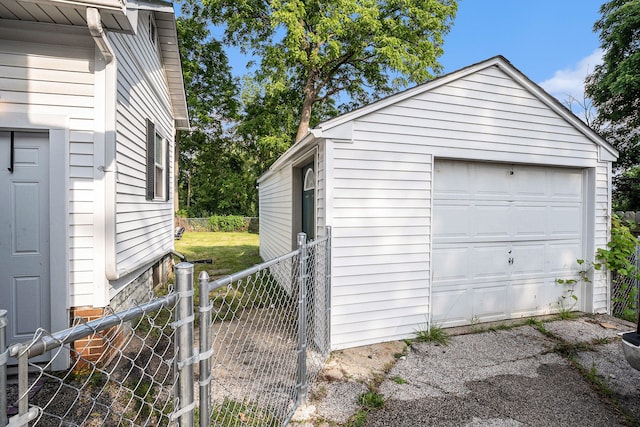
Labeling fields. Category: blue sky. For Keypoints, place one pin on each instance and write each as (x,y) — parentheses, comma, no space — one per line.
(551,41)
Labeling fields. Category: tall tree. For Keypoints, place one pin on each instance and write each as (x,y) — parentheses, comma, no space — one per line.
(325,48)
(614,86)
(214,176)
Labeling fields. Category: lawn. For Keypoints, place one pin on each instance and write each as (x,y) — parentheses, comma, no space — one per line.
(231,252)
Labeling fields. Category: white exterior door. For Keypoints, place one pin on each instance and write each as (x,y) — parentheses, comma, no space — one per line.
(502,235)
(24,232)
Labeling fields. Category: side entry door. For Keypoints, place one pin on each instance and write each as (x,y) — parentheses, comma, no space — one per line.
(24,233)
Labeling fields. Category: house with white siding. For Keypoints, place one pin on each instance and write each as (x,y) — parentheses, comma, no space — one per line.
(458,201)
(91,96)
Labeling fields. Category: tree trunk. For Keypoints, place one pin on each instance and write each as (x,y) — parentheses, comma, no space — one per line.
(307,105)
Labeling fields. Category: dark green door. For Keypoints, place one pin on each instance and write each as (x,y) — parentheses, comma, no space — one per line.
(309,201)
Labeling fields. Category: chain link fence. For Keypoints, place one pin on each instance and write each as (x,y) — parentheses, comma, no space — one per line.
(121,371)
(624,292)
(263,337)
(267,331)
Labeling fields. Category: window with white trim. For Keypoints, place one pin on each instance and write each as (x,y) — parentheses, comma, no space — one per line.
(157,165)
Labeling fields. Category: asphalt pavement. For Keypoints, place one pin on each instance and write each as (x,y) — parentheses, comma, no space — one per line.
(553,373)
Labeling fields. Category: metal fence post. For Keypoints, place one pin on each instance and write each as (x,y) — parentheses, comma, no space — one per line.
(204,373)
(328,292)
(301,386)
(184,344)
(3,368)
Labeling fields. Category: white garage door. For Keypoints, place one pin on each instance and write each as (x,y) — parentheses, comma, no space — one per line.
(502,235)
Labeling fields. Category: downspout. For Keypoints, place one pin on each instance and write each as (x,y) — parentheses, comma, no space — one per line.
(94,23)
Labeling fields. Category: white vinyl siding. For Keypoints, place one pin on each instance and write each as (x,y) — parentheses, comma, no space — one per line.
(602,202)
(45,78)
(380,247)
(276,210)
(143,228)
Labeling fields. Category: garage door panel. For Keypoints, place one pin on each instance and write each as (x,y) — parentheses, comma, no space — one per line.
(529,221)
(526,297)
(565,220)
(451,308)
(528,259)
(529,183)
(554,292)
(491,181)
(452,222)
(489,303)
(454,179)
(562,257)
(566,184)
(489,262)
(490,220)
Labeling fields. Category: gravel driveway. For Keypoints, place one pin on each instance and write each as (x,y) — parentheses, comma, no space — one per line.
(560,373)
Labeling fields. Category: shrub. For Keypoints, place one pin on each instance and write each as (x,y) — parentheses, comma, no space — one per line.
(621,247)
(227,223)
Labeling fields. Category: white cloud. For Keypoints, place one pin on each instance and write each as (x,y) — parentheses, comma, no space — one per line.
(569,82)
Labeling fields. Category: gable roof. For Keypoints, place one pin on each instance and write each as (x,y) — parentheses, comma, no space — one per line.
(498,61)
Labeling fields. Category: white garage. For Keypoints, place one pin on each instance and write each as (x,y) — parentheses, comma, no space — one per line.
(458,201)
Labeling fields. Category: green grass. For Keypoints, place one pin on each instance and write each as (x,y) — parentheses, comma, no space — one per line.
(435,335)
(230,251)
(399,380)
(237,413)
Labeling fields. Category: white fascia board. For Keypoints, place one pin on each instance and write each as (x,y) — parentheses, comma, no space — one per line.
(156,6)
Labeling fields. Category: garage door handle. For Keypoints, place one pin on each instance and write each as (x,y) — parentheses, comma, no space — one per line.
(510,260)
